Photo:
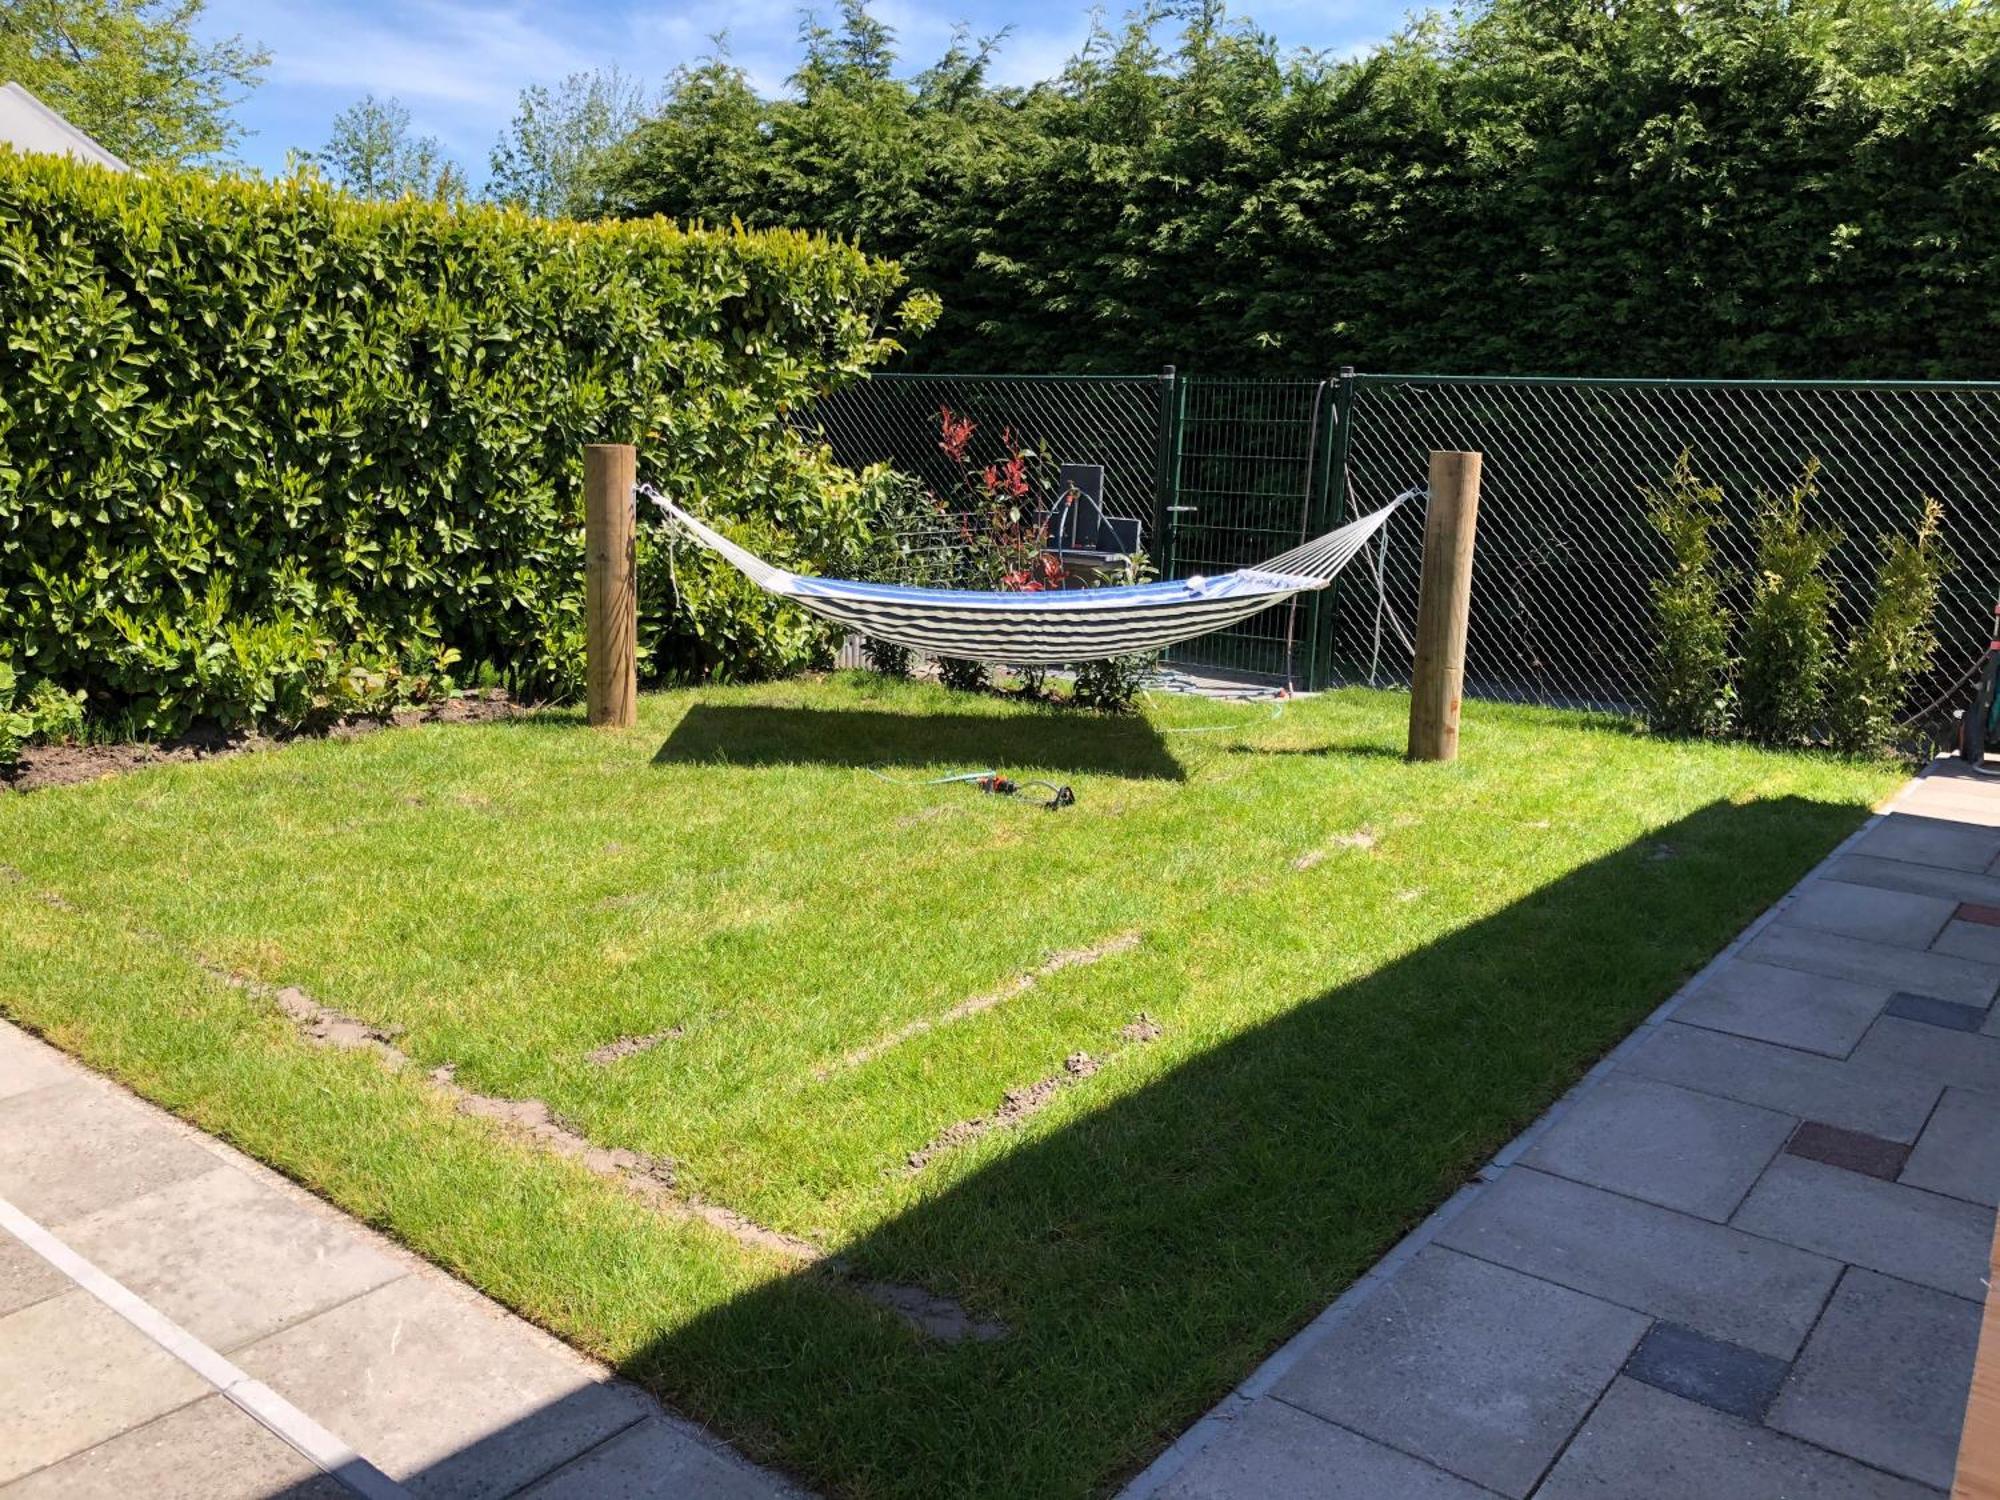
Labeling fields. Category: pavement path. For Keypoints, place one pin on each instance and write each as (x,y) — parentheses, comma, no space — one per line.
(179,1322)
(1746,1257)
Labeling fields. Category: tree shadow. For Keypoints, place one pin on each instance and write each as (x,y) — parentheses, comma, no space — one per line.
(1147,1255)
(1144,1256)
(767,735)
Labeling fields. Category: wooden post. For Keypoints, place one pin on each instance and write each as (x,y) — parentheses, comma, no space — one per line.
(610,585)
(1444,600)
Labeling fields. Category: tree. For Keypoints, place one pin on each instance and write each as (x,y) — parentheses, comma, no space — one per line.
(131,74)
(546,161)
(373,154)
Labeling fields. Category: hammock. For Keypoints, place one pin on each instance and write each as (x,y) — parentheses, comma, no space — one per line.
(1050,628)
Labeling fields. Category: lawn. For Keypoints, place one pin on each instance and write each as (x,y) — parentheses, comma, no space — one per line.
(1135,1087)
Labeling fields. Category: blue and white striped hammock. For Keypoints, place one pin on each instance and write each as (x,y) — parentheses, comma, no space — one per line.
(1054,627)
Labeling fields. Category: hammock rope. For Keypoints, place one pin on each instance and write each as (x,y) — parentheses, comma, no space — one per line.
(1054,627)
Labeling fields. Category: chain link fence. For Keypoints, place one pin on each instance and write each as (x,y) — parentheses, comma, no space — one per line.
(1561,596)
(1225,473)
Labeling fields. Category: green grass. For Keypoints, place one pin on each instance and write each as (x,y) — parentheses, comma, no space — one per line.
(1349,1025)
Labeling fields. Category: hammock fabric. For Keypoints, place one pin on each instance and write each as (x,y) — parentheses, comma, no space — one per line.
(1054,627)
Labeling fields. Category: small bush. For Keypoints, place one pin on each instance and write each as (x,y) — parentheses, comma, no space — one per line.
(1692,691)
(964,676)
(15,723)
(1113,686)
(888,658)
(1788,634)
(1895,645)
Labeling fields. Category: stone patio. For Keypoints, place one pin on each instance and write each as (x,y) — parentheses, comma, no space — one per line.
(1745,1257)
(178,1322)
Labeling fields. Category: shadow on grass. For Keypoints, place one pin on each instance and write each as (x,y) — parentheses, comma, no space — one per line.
(1147,1255)
(764,735)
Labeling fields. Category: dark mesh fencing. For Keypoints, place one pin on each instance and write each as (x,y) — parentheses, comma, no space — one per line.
(1226,473)
(1561,604)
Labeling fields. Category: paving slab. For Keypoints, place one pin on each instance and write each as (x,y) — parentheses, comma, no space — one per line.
(663,1459)
(72,1374)
(1480,1370)
(1884,1377)
(1863,911)
(1721,1281)
(1646,1444)
(72,1149)
(207,1451)
(1944,842)
(1963,939)
(25,1278)
(229,1258)
(1837,956)
(1854,1150)
(441,1391)
(1714,1372)
(1951,1058)
(26,1063)
(1667,1145)
(1892,1102)
(1906,1005)
(1924,880)
(1788,1007)
(1902,1231)
(1959,1152)
(1275,1449)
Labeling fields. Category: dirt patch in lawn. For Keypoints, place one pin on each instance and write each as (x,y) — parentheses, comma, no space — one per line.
(42,766)
(1020,984)
(1361,838)
(631,1046)
(1016,1105)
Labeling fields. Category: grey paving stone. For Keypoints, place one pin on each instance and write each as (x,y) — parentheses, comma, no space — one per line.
(1786,1006)
(1721,1281)
(661,1459)
(1866,911)
(1887,1101)
(1645,1444)
(1948,801)
(1948,1057)
(441,1390)
(25,1278)
(207,1451)
(1854,1150)
(1479,1369)
(1931,1011)
(1930,841)
(1665,1144)
(1275,1449)
(1901,1231)
(1714,1372)
(1794,947)
(1964,939)
(1925,880)
(1959,1151)
(74,1149)
(26,1063)
(1884,1377)
(230,1258)
(73,1373)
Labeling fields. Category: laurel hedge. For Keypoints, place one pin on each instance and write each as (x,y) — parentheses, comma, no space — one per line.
(270,454)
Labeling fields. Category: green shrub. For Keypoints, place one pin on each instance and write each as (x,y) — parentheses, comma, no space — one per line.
(1692,693)
(1112,686)
(15,723)
(268,453)
(1895,645)
(964,676)
(1788,634)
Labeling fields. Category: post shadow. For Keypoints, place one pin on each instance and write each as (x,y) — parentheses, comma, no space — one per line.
(751,734)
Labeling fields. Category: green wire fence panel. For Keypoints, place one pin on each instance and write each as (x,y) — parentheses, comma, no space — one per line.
(1561,604)
(1250,484)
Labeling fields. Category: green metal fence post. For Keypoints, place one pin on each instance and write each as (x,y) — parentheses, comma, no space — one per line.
(1166,472)
(1333,512)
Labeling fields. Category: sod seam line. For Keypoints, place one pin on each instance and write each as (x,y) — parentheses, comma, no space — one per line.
(252,1397)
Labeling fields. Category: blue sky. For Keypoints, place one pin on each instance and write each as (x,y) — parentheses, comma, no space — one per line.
(459,64)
